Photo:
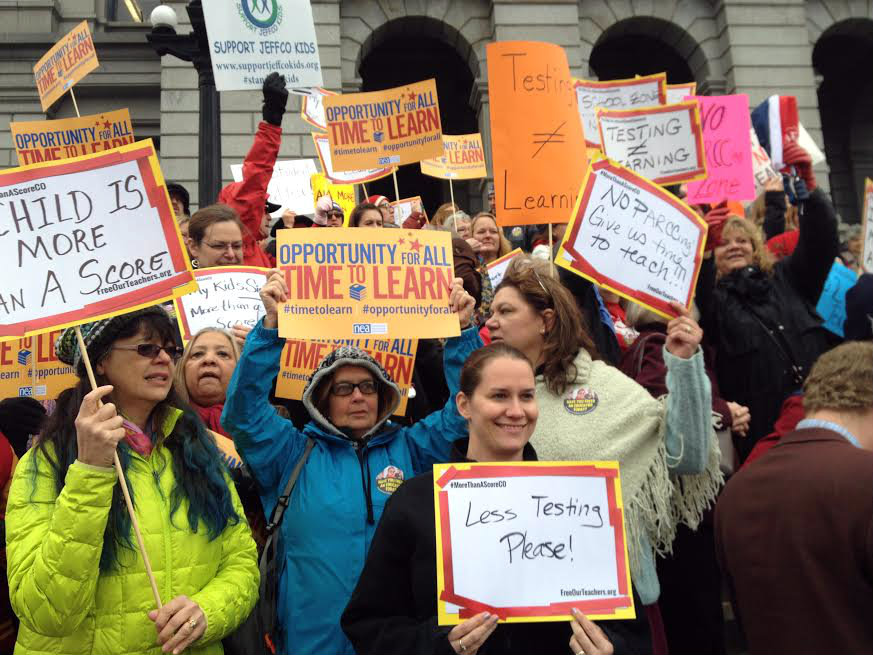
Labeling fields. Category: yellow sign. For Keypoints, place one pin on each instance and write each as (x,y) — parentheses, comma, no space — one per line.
(300,359)
(341,194)
(69,60)
(29,367)
(39,141)
(463,159)
(384,128)
(389,284)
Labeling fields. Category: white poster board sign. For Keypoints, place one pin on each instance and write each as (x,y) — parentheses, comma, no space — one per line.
(228,296)
(312,107)
(290,185)
(634,238)
(87,237)
(663,143)
(497,268)
(616,94)
(531,539)
(249,39)
(804,140)
(762,167)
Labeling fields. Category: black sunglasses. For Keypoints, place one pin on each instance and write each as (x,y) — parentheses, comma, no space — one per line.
(151,350)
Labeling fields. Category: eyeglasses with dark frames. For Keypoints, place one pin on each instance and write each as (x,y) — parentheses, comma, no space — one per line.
(367,387)
(151,350)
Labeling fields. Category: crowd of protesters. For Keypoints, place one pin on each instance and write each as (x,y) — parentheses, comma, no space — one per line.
(742,428)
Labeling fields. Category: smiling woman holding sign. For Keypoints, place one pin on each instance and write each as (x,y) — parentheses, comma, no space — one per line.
(393,610)
(77,579)
(352,459)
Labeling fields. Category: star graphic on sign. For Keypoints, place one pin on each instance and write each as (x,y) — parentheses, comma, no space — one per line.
(412,97)
(414,245)
(401,241)
(106,125)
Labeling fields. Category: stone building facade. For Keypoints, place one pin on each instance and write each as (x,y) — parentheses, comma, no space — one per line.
(817,50)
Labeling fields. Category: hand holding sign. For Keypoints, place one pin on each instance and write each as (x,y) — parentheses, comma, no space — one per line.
(274,292)
(683,333)
(467,638)
(98,429)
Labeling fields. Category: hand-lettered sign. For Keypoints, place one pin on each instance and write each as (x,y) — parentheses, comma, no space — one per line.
(616,94)
(404,207)
(537,144)
(85,238)
(762,167)
(678,92)
(300,358)
(322,147)
(312,107)
(726,126)
(249,39)
(463,159)
(39,141)
(867,228)
(497,268)
(831,304)
(384,128)
(30,367)
(662,143)
(290,185)
(341,194)
(634,238)
(68,61)
(530,541)
(227,296)
(366,283)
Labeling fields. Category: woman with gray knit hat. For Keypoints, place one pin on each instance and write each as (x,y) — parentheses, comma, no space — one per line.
(358,458)
(77,580)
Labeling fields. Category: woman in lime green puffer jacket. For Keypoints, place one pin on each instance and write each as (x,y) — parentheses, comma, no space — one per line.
(77,580)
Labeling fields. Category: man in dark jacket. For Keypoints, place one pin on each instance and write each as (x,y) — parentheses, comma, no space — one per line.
(794,531)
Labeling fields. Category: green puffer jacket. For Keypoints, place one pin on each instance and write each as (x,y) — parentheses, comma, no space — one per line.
(53,547)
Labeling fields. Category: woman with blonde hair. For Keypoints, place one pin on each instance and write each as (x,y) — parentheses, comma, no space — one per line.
(488,243)
(759,316)
(442,213)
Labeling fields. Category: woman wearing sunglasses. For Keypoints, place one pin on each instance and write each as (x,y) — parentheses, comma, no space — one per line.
(76,577)
(358,459)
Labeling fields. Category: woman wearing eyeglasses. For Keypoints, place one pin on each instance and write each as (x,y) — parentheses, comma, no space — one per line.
(359,458)
(215,237)
(76,577)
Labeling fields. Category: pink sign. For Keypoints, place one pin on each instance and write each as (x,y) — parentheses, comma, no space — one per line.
(726,125)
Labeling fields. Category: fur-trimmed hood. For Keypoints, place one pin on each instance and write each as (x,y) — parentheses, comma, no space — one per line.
(350,356)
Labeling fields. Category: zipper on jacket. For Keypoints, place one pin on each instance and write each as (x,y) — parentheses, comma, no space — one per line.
(365,483)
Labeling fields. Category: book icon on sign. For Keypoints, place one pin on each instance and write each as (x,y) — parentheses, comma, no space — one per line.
(22,357)
(358,292)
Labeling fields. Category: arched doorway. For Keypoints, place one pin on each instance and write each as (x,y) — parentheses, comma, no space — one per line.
(646,45)
(842,57)
(409,50)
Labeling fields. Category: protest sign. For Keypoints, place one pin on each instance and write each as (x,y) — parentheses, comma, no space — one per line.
(538,149)
(341,194)
(249,39)
(322,147)
(312,107)
(366,282)
(85,238)
(762,167)
(805,141)
(68,61)
(300,358)
(831,304)
(867,228)
(404,207)
(226,296)
(530,541)
(497,268)
(726,128)
(616,94)
(662,143)
(39,141)
(463,159)
(634,238)
(30,367)
(678,92)
(384,128)
(290,185)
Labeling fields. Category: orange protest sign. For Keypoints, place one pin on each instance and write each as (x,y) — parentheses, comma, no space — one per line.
(635,92)
(322,148)
(366,282)
(38,141)
(678,92)
(301,357)
(384,128)
(463,159)
(538,148)
(69,60)
(29,367)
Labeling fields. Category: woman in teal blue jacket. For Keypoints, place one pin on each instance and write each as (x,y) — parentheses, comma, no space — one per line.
(359,458)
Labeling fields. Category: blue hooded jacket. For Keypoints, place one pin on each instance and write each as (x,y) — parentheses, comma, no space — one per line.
(326,532)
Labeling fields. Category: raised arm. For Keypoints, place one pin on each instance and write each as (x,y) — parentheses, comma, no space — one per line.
(817,247)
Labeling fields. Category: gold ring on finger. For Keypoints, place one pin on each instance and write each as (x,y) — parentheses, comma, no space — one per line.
(688,329)
(192,624)
(461,644)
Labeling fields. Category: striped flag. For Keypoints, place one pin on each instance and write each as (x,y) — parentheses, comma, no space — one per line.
(776,124)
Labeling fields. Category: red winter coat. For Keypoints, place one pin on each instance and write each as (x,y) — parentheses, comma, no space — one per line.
(249,197)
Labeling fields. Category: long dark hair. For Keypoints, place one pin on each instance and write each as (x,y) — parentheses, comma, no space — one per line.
(197,466)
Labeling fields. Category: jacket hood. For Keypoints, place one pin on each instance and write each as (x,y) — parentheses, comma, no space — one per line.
(350,356)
